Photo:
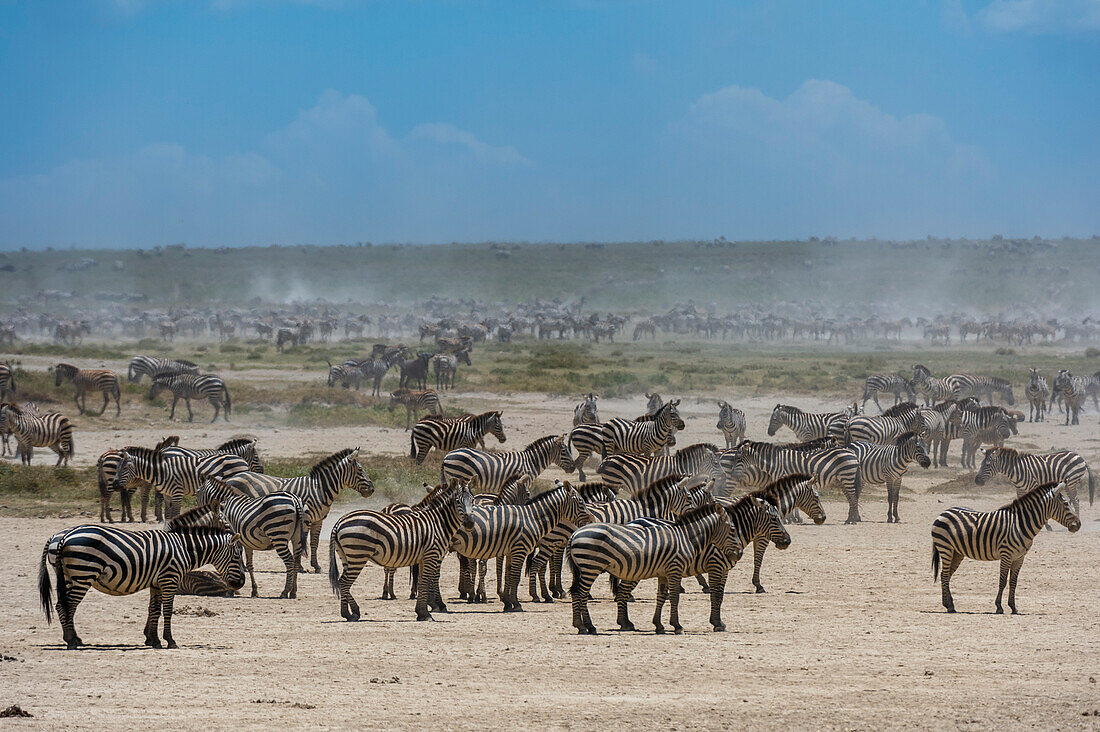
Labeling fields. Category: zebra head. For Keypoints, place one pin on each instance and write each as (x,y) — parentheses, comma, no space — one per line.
(725,415)
(991,465)
(670,414)
(63,371)
(360,481)
(463,356)
(575,511)
(160,383)
(1061,511)
(654,403)
(562,455)
(228,559)
(462,503)
(1004,388)
(125,473)
(495,426)
(779,418)
(1033,378)
(920,373)
(912,448)
(774,529)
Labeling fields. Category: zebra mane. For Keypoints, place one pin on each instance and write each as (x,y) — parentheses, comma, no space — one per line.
(697,513)
(1005,451)
(1031,496)
(329,462)
(898,409)
(544,496)
(692,450)
(944,405)
(515,482)
(200,520)
(788,409)
(663,485)
(595,490)
(771,492)
(905,437)
(998,381)
(235,444)
(807,446)
(534,444)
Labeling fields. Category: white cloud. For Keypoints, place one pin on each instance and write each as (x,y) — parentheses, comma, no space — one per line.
(446,134)
(1041,16)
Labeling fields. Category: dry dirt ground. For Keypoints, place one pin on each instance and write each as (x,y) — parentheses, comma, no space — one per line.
(850,634)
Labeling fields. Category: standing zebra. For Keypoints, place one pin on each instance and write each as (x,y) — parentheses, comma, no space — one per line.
(52,430)
(586,412)
(886,464)
(114,474)
(549,552)
(30,409)
(415,402)
(1005,534)
(194,386)
(641,438)
(731,422)
(630,474)
(489,471)
(587,440)
(445,366)
(653,404)
(451,433)
(806,425)
(977,426)
(344,375)
(1037,392)
(895,384)
(419,537)
(972,385)
(830,466)
(935,426)
(756,517)
(1072,390)
(1027,471)
(7,383)
(932,389)
(885,428)
(120,562)
(85,380)
(154,367)
(176,471)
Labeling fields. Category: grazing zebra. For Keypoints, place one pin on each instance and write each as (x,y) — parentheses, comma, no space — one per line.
(7,383)
(114,474)
(1037,392)
(284,336)
(85,380)
(120,562)
(550,550)
(806,425)
(204,584)
(830,466)
(972,385)
(886,464)
(30,409)
(318,490)
(154,367)
(641,438)
(587,440)
(421,537)
(344,375)
(586,412)
(489,471)
(1027,471)
(194,386)
(52,430)
(274,521)
(885,428)
(1005,534)
(932,389)
(895,384)
(514,532)
(415,402)
(634,552)
(977,426)
(731,423)
(176,471)
(756,518)
(451,433)
(1072,390)
(630,474)
(935,427)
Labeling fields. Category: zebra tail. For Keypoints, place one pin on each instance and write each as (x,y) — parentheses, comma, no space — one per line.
(412,448)
(935,563)
(1092,484)
(333,573)
(303,531)
(858,486)
(228,401)
(847,433)
(574,569)
(130,373)
(44,589)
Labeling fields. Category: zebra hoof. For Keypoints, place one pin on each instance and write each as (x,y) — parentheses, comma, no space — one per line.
(678,629)
(1000,610)
(172,644)
(759,590)
(153,642)
(720,628)
(659,629)
(1015,611)
(627,627)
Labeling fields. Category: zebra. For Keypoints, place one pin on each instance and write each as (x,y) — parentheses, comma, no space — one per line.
(120,562)
(7,383)
(806,425)
(421,537)
(1005,534)
(587,440)
(1072,390)
(318,490)
(977,426)
(756,517)
(886,464)
(154,367)
(933,390)
(114,474)
(176,471)
(586,412)
(1037,392)
(52,430)
(731,423)
(885,428)
(640,438)
(831,466)
(489,471)
(653,404)
(514,532)
(445,366)
(1027,471)
(85,380)
(344,375)
(894,384)
(273,521)
(194,386)
(451,433)
(415,402)
(633,552)
(515,492)
(934,427)
(552,546)
(30,409)
(204,584)
(967,385)
(1092,388)
(632,473)
(284,336)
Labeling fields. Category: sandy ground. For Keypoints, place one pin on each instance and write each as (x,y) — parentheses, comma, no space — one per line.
(851,633)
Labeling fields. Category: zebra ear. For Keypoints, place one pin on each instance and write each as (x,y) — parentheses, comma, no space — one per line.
(237,539)
(354,454)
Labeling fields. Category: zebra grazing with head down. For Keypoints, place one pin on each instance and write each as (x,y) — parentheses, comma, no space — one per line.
(419,537)
(756,518)
(642,438)
(489,471)
(1027,471)
(284,336)
(120,562)
(318,490)
(176,471)
(344,375)
(630,474)
(895,384)
(552,546)
(1037,392)
(932,389)
(731,422)
(154,367)
(415,402)
(52,430)
(85,380)
(451,433)
(886,464)
(806,425)
(204,584)
(634,552)
(830,466)
(1005,535)
(194,386)
(885,428)
(7,383)
(586,412)
(1072,389)
(973,385)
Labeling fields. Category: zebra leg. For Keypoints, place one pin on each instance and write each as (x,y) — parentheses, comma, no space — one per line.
(286,552)
(1013,576)
(501,585)
(703,585)
(511,582)
(478,570)
(172,414)
(314,541)
(557,559)
(428,587)
(387,584)
(673,583)
(717,592)
(759,546)
(621,604)
(662,595)
(579,596)
(947,568)
(153,618)
(793,517)
(217,406)
(1006,568)
(465,584)
(74,593)
(875,397)
(893,494)
(126,497)
(349,608)
(251,573)
(168,597)
(118,407)
(105,506)
(414,580)
(190,414)
(106,401)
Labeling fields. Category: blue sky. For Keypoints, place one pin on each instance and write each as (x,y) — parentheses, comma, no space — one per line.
(225,122)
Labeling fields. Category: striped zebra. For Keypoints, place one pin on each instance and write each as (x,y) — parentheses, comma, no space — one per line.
(1037,392)
(177,471)
(318,490)
(1072,389)
(653,404)
(1005,535)
(344,375)
(416,401)
(276,521)
(831,466)
(731,423)
(445,366)
(1092,389)
(587,440)
(934,428)
(154,367)
(204,584)
(977,426)
(514,532)
(1027,471)
(451,433)
(7,383)
(641,438)
(120,562)
(283,336)
(30,409)
(194,386)
(85,380)
(52,430)
(895,384)
(933,390)
(886,464)
(586,412)
(421,537)
(630,474)
(885,428)
(549,553)
(115,475)
(487,472)
(634,552)
(973,385)
(516,492)
(806,425)
(756,518)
